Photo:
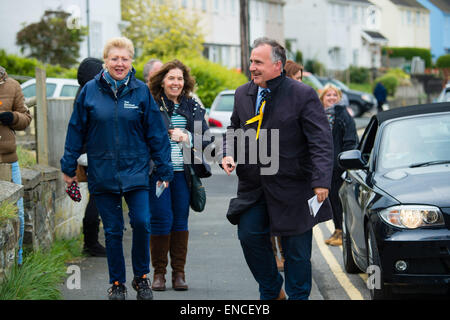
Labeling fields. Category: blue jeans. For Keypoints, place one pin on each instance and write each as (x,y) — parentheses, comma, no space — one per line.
(254,235)
(110,208)
(170,212)
(17,179)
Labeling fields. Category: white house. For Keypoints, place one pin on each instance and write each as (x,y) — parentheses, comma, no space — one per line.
(103,17)
(220,23)
(338,33)
(406,23)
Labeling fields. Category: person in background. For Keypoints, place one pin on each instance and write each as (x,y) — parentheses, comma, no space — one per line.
(150,68)
(117,119)
(294,70)
(172,87)
(380,94)
(14,115)
(87,70)
(344,138)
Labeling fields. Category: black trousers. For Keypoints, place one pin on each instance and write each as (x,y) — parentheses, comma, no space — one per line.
(91,223)
(336,183)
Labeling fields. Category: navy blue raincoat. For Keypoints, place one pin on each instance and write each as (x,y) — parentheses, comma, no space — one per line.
(122,131)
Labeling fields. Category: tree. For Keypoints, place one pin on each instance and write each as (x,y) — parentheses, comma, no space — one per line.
(161,30)
(50,40)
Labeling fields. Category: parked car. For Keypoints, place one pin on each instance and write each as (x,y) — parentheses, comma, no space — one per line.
(445,94)
(396,203)
(56,87)
(220,113)
(359,102)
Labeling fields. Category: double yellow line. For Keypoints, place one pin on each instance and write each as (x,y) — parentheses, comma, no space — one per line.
(334,265)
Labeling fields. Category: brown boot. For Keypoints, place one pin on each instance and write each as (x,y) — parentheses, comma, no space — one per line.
(337,241)
(280,264)
(178,253)
(282,295)
(159,248)
(333,236)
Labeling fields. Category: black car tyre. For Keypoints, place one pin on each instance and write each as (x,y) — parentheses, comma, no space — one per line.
(381,291)
(349,263)
(356,108)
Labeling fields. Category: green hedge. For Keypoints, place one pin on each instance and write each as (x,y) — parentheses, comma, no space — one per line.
(359,74)
(443,62)
(26,67)
(211,78)
(409,53)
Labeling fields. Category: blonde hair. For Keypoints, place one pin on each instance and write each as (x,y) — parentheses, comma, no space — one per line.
(119,42)
(327,88)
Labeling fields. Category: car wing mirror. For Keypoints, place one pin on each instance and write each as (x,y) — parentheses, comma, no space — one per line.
(351,160)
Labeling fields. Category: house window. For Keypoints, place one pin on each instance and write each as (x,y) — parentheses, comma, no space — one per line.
(216,6)
(418,18)
(184,3)
(204,5)
(408,17)
(355,14)
(355,57)
(96,39)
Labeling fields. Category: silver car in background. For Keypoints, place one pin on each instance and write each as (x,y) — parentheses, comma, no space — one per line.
(220,112)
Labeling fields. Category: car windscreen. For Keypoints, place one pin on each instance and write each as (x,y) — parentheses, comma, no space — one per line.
(225,103)
(415,142)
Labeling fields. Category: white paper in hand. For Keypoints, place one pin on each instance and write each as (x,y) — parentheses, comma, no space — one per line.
(159,189)
(314,205)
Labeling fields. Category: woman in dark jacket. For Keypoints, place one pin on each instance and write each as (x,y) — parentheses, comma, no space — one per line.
(118,121)
(344,138)
(171,88)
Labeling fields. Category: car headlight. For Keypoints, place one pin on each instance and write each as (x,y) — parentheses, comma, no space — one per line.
(412,216)
(366,98)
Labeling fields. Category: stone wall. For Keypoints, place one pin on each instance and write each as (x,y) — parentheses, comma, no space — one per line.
(9,231)
(48,211)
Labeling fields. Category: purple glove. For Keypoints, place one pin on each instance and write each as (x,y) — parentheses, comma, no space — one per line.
(6,118)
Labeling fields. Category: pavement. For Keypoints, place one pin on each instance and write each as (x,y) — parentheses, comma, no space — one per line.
(215,268)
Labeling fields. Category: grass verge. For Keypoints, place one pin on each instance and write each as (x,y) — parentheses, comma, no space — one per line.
(41,273)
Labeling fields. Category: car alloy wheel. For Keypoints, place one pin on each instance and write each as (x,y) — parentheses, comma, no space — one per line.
(356,109)
(378,291)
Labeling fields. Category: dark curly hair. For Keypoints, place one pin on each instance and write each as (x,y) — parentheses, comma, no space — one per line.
(157,79)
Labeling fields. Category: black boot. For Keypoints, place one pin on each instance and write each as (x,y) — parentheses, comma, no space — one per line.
(91,245)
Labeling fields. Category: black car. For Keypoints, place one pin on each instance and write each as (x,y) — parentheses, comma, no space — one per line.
(358,101)
(396,201)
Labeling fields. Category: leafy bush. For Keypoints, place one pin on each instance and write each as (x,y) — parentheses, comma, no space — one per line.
(211,78)
(409,53)
(443,61)
(359,74)
(20,66)
(314,66)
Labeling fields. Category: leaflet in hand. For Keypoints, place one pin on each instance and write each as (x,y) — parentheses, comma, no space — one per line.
(314,205)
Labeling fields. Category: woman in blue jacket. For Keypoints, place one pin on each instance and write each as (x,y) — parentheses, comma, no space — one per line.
(118,120)
(171,87)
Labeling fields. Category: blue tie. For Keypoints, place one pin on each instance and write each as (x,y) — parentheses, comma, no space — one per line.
(264,94)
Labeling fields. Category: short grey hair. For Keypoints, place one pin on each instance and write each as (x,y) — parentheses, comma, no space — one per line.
(278,51)
(148,67)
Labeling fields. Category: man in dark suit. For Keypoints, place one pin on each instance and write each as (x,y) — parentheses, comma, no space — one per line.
(289,115)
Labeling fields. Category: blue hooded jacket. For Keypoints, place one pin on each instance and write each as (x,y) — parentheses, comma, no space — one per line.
(122,131)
